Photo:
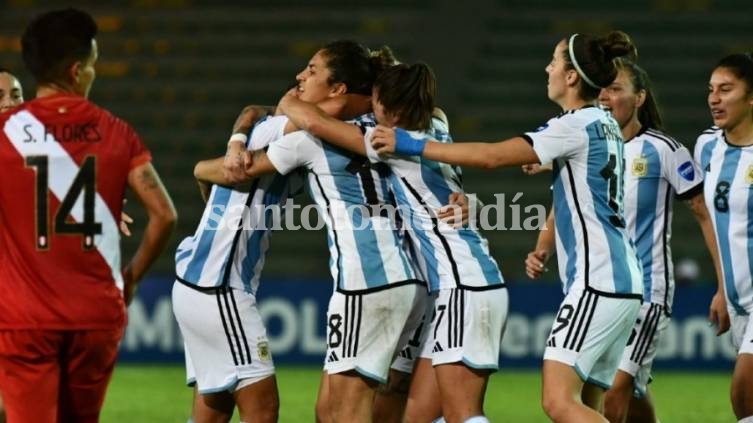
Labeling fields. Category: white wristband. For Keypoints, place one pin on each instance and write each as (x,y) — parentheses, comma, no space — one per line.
(238,137)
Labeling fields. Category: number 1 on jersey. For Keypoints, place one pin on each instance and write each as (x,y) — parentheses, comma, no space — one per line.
(85,181)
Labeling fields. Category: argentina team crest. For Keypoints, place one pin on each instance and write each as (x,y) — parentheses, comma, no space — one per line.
(640,167)
(749,175)
(263,349)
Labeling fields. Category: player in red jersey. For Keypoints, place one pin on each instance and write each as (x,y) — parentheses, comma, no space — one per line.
(65,164)
(11,92)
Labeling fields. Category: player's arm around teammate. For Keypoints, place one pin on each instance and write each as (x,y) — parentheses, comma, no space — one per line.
(459,394)
(583,137)
(319,122)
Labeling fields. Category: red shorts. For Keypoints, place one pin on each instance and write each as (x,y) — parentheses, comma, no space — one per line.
(56,375)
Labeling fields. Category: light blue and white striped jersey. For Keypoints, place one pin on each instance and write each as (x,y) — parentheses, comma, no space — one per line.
(367,250)
(728,190)
(448,257)
(594,250)
(231,241)
(657,169)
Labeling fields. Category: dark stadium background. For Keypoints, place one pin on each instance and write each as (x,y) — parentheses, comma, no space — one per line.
(180,70)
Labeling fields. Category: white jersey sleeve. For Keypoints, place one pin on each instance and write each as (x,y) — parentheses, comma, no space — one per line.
(292,151)
(371,154)
(267,131)
(680,170)
(702,143)
(559,138)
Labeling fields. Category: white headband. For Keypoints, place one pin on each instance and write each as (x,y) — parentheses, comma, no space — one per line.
(582,74)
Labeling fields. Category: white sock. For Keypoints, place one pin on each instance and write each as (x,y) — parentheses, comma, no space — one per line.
(440,420)
(748,419)
(477,419)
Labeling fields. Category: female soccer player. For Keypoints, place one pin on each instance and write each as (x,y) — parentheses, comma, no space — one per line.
(598,265)
(11,93)
(658,169)
(460,346)
(725,153)
(375,284)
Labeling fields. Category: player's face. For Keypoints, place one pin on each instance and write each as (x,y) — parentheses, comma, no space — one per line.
(730,99)
(382,116)
(557,83)
(621,99)
(313,80)
(86,72)
(11,94)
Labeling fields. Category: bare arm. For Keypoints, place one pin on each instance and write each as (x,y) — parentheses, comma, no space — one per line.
(211,171)
(248,117)
(536,259)
(512,152)
(233,161)
(317,122)
(161,220)
(205,188)
(718,313)
(258,164)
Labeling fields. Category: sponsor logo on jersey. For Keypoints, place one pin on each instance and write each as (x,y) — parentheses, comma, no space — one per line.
(686,171)
(640,167)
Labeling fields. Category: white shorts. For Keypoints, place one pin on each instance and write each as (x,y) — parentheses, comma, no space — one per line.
(190,372)
(364,330)
(590,333)
(225,338)
(467,327)
(639,354)
(419,318)
(742,332)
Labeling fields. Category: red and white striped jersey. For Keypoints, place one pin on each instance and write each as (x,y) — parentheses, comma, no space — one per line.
(64,164)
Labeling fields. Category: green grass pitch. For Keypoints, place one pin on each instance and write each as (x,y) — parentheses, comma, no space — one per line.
(157,394)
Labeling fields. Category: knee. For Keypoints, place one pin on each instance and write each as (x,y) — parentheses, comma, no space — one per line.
(556,408)
(261,412)
(615,406)
(741,396)
(323,414)
(267,414)
(739,403)
(271,411)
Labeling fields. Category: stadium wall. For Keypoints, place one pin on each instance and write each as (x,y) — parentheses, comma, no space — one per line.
(295,311)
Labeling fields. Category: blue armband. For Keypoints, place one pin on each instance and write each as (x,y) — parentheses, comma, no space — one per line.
(406,145)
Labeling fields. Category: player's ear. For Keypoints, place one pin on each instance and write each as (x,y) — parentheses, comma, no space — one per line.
(74,72)
(571,77)
(338,88)
(641,98)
